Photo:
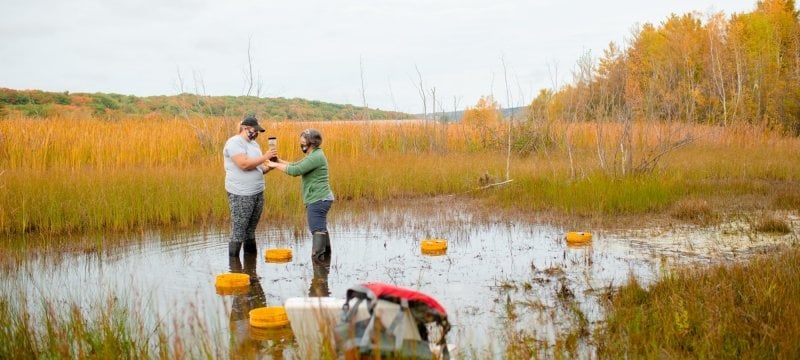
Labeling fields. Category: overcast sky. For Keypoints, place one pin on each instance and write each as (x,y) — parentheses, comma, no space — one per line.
(318,49)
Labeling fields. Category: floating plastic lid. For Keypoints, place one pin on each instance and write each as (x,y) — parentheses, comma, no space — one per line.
(434,252)
(268,317)
(238,290)
(434,245)
(576,238)
(278,334)
(232,280)
(278,255)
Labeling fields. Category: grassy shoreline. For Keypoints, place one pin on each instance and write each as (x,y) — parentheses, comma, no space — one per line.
(740,311)
(65,201)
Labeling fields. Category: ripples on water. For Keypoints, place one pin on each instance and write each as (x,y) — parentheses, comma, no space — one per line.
(488,265)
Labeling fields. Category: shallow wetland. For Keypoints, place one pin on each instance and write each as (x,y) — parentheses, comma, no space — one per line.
(501,276)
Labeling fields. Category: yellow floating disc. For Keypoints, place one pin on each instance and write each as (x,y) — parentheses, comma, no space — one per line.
(238,290)
(268,317)
(282,333)
(576,238)
(434,245)
(278,255)
(232,280)
(434,252)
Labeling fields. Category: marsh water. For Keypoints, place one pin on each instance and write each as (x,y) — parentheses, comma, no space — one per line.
(497,276)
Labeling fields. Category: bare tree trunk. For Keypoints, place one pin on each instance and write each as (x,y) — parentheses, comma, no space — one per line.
(797,55)
(181,89)
(397,121)
(180,84)
(432,140)
(365,115)
(249,74)
(739,84)
(716,70)
(252,80)
(455,111)
(509,121)
(364,107)
(569,152)
(444,126)
(626,142)
(391,95)
(422,95)
(601,155)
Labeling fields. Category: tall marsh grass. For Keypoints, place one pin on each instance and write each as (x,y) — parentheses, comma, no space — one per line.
(67,175)
(739,311)
(109,330)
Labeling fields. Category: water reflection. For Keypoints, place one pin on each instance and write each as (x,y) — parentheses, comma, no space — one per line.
(494,270)
(319,283)
(248,342)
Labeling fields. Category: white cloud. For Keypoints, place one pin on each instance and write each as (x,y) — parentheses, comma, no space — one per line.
(312,49)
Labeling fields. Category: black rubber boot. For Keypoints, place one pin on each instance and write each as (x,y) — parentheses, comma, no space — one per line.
(328,252)
(233,248)
(250,247)
(318,246)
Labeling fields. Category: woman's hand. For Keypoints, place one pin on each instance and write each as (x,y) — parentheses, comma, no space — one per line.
(271,153)
(277,165)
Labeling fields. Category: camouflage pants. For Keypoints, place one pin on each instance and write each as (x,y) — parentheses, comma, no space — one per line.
(245,212)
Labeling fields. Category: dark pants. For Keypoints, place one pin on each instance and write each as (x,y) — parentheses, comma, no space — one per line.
(245,212)
(317,213)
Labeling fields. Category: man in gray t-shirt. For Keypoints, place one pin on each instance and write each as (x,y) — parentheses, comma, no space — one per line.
(244,183)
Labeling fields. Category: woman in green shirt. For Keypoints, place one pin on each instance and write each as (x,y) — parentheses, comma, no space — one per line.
(316,189)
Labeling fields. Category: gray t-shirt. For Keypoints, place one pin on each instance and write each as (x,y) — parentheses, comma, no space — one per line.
(238,181)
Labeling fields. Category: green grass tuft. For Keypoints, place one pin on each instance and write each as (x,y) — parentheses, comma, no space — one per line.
(770,224)
(740,311)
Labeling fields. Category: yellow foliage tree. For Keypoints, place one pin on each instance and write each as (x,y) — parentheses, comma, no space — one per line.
(485,113)
(484,118)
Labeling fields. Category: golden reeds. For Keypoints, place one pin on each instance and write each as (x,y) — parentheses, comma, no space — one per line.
(63,174)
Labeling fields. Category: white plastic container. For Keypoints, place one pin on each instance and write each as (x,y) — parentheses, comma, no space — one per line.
(313,321)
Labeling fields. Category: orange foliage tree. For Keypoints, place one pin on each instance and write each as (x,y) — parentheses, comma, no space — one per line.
(484,117)
(485,113)
(718,70)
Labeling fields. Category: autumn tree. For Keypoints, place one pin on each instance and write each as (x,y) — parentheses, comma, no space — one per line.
(716,71)
(485,117)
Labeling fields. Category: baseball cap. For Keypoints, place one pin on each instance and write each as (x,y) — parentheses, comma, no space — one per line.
(253,122)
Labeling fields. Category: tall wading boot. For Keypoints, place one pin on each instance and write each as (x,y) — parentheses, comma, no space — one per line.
(233,248)
(250,247)
(328,252)
(318,246)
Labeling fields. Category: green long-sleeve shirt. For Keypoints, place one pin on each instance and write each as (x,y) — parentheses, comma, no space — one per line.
(314,171)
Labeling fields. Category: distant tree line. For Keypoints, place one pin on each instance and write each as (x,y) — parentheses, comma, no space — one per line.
(721,71)
(38,103)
